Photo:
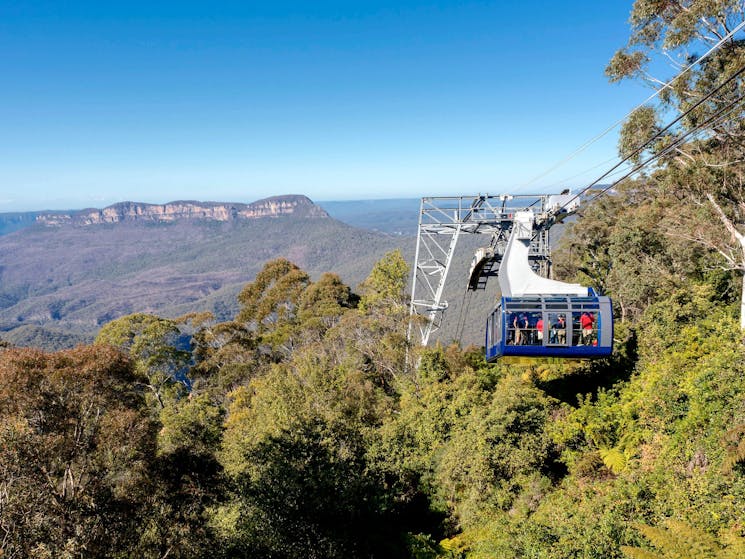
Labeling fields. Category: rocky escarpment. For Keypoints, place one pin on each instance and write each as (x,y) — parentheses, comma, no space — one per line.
(276,206)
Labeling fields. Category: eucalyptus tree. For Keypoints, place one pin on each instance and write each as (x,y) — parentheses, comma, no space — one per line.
(77,447)
(269,306)
(708,172)
(155,346)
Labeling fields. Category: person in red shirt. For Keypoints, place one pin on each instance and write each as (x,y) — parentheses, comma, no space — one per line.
(586,321)
(539,330)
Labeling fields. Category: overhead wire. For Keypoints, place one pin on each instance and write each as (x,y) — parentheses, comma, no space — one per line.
(716,118)
(465,306)
(640,149)
(565,180)
(605,132)
(594,167)
(460,316)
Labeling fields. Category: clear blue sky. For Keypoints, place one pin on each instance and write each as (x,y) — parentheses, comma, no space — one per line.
(157,101)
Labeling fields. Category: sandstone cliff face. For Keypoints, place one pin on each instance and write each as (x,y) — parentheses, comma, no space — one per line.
(276,206)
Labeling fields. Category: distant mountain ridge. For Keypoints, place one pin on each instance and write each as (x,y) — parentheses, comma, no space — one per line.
(288,205)
(67,273)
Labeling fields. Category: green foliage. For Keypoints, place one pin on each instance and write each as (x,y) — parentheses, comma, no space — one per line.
(296,446)
(283,310)
(310,494)
(499,452)
(226,355)
(679,540)
(322,305)
(187,484)
(639,128)
(272,297)
(734,440)
(625,64)
(422,546)
(385,286)
(614,459)
(153,344)
(187,477)
(194,423)
(76,446)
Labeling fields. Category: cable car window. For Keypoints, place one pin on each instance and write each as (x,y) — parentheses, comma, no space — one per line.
(528,323)
(584,328)
(489,337)
(490,330)
(557,328)
(556,306)
(538,328)
(497,326)
(576,331)
(494,332)
(520,329)
(511,325)
(522,306)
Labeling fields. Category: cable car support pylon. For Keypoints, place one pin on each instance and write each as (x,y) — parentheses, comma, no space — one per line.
(442,220)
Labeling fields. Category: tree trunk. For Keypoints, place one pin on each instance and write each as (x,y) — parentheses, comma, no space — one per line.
(742,305)
(740,238)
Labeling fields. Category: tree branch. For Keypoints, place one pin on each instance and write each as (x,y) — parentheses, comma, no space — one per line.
(739,237)
(711,27)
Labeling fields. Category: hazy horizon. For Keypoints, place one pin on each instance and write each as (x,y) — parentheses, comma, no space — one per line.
(62,207)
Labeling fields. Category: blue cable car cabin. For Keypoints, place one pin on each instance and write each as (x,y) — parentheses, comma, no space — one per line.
(550,326)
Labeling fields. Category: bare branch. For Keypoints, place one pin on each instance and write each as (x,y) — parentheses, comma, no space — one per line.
(685,154)
(673,62)
(726,164)
(711,27)
(650,78)
(726,221)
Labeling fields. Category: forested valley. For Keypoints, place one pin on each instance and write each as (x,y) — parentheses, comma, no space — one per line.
(309,427)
